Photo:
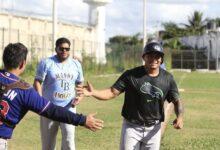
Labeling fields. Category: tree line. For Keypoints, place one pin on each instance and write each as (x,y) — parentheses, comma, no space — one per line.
(196,25)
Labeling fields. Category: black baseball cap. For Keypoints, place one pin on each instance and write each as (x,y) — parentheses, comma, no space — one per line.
(153,47)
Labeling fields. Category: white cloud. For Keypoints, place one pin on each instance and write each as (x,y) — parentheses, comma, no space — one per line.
(6,4)
(169,12)
(115,13)
(159,13)
(184,1)
(124,16)
(73,9)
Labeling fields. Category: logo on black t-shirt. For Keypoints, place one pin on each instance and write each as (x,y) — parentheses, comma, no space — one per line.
(151,90)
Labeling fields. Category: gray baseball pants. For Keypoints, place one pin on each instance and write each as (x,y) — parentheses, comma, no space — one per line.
(49,129)
(3,144)
(136,137)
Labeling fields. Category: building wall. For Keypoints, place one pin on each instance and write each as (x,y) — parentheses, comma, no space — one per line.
(36,34)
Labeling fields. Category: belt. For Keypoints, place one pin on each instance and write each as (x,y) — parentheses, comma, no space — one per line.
(144,123)
(3,138)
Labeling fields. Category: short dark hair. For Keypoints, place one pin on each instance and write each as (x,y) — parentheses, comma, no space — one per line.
(62,40)
(14,54)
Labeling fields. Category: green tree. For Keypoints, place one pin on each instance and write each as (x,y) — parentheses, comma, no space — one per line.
(125,51)
(119,39)
(196,24)
(135,39)
(217,20)
(172,30)
(128,40)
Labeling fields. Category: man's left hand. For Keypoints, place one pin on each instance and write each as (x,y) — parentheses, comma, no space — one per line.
(77,100)
(178,123)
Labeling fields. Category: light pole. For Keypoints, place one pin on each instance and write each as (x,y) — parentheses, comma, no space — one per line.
(54,17)
(144,23)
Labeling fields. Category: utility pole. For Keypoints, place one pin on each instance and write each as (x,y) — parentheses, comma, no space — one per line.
(54,24)
(144,22)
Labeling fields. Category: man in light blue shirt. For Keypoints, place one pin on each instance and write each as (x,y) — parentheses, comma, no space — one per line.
(58,76)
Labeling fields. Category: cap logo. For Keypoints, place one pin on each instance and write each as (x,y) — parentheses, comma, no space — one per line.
(7,74)
(157,47)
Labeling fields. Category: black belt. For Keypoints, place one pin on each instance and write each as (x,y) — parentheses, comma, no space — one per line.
(3,138)
(144,123)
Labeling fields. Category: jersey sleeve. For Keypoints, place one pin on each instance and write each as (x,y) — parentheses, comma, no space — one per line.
(62,114)
(120,84)
(41,71)
(80,77)
(34,102)
(173,93)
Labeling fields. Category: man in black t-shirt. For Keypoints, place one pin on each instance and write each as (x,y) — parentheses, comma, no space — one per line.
(146,88)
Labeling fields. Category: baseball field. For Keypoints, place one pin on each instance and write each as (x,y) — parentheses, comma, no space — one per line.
(201,97)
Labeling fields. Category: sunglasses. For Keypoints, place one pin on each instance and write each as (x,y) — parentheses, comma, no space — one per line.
(64,48)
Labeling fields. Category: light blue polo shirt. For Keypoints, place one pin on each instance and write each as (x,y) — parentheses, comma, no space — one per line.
(59,79)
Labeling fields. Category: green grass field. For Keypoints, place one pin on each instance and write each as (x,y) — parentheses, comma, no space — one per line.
(201,129)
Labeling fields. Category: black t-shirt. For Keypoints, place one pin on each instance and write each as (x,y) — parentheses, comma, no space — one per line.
(145,95)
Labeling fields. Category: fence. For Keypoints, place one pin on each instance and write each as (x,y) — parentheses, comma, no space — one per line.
(40,46)
(119,57)
(194,59)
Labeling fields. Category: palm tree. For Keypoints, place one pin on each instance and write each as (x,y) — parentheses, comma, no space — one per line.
(196,24)
(172,30)
(217,20)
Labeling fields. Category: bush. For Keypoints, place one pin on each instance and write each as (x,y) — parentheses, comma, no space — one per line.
(30,71)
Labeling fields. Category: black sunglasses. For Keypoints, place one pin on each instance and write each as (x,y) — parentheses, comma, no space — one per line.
(64,48)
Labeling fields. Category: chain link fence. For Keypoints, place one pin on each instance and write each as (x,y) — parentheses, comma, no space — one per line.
(194,59)
(40,46)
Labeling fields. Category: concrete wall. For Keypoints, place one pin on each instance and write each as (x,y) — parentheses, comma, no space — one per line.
(36,34)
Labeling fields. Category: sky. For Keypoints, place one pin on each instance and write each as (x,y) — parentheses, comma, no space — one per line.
(123,17)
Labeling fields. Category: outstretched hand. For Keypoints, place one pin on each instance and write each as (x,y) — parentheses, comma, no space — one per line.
(79,96)
(178,123)
(92,123)
(86,90)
